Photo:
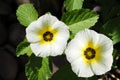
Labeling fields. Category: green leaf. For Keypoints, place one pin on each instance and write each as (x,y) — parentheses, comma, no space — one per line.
(66,73)
(115,54)
(26,13)
(112,29)
(44,72)
(37,68)
(23,48)
(73,4)
(80,19)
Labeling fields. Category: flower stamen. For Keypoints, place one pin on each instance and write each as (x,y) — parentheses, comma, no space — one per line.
(48,36)
(89,53)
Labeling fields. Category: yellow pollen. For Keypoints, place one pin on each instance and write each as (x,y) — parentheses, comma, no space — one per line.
(89,53)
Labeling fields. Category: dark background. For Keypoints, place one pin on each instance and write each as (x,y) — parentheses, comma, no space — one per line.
(11,33)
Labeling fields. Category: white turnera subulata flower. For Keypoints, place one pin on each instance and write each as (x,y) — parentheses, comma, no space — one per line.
(47,36)
(90,53)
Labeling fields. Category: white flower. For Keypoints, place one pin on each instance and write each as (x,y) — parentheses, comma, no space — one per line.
(47,36)
(90,53)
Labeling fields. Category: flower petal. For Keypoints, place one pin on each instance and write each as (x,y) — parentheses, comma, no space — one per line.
(105,44)
(63,31)
(103,65)
(73,50)
(57,48)
(47,20)
(87,35)
(61,39)
(32,32)
(81,68)
(40,50)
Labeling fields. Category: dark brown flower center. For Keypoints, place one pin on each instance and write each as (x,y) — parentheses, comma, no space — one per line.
(89,53)
(48,36)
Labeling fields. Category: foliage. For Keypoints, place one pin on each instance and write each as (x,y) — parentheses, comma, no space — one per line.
(38,68)
(79,19)
(23,48)
(111,28)
(26,13)
(73,4)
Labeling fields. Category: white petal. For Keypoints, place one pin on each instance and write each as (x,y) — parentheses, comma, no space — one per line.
(60,43)
(40,50)
(103,65)
(87,35)
(59,25)
(57,48)
(73,50)
(105,44)
(63,31)
(47,19)
(81,69)
(32,32)
(61,39)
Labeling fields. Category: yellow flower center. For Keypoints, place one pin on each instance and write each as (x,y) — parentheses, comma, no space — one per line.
(47,35)
(91,53)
